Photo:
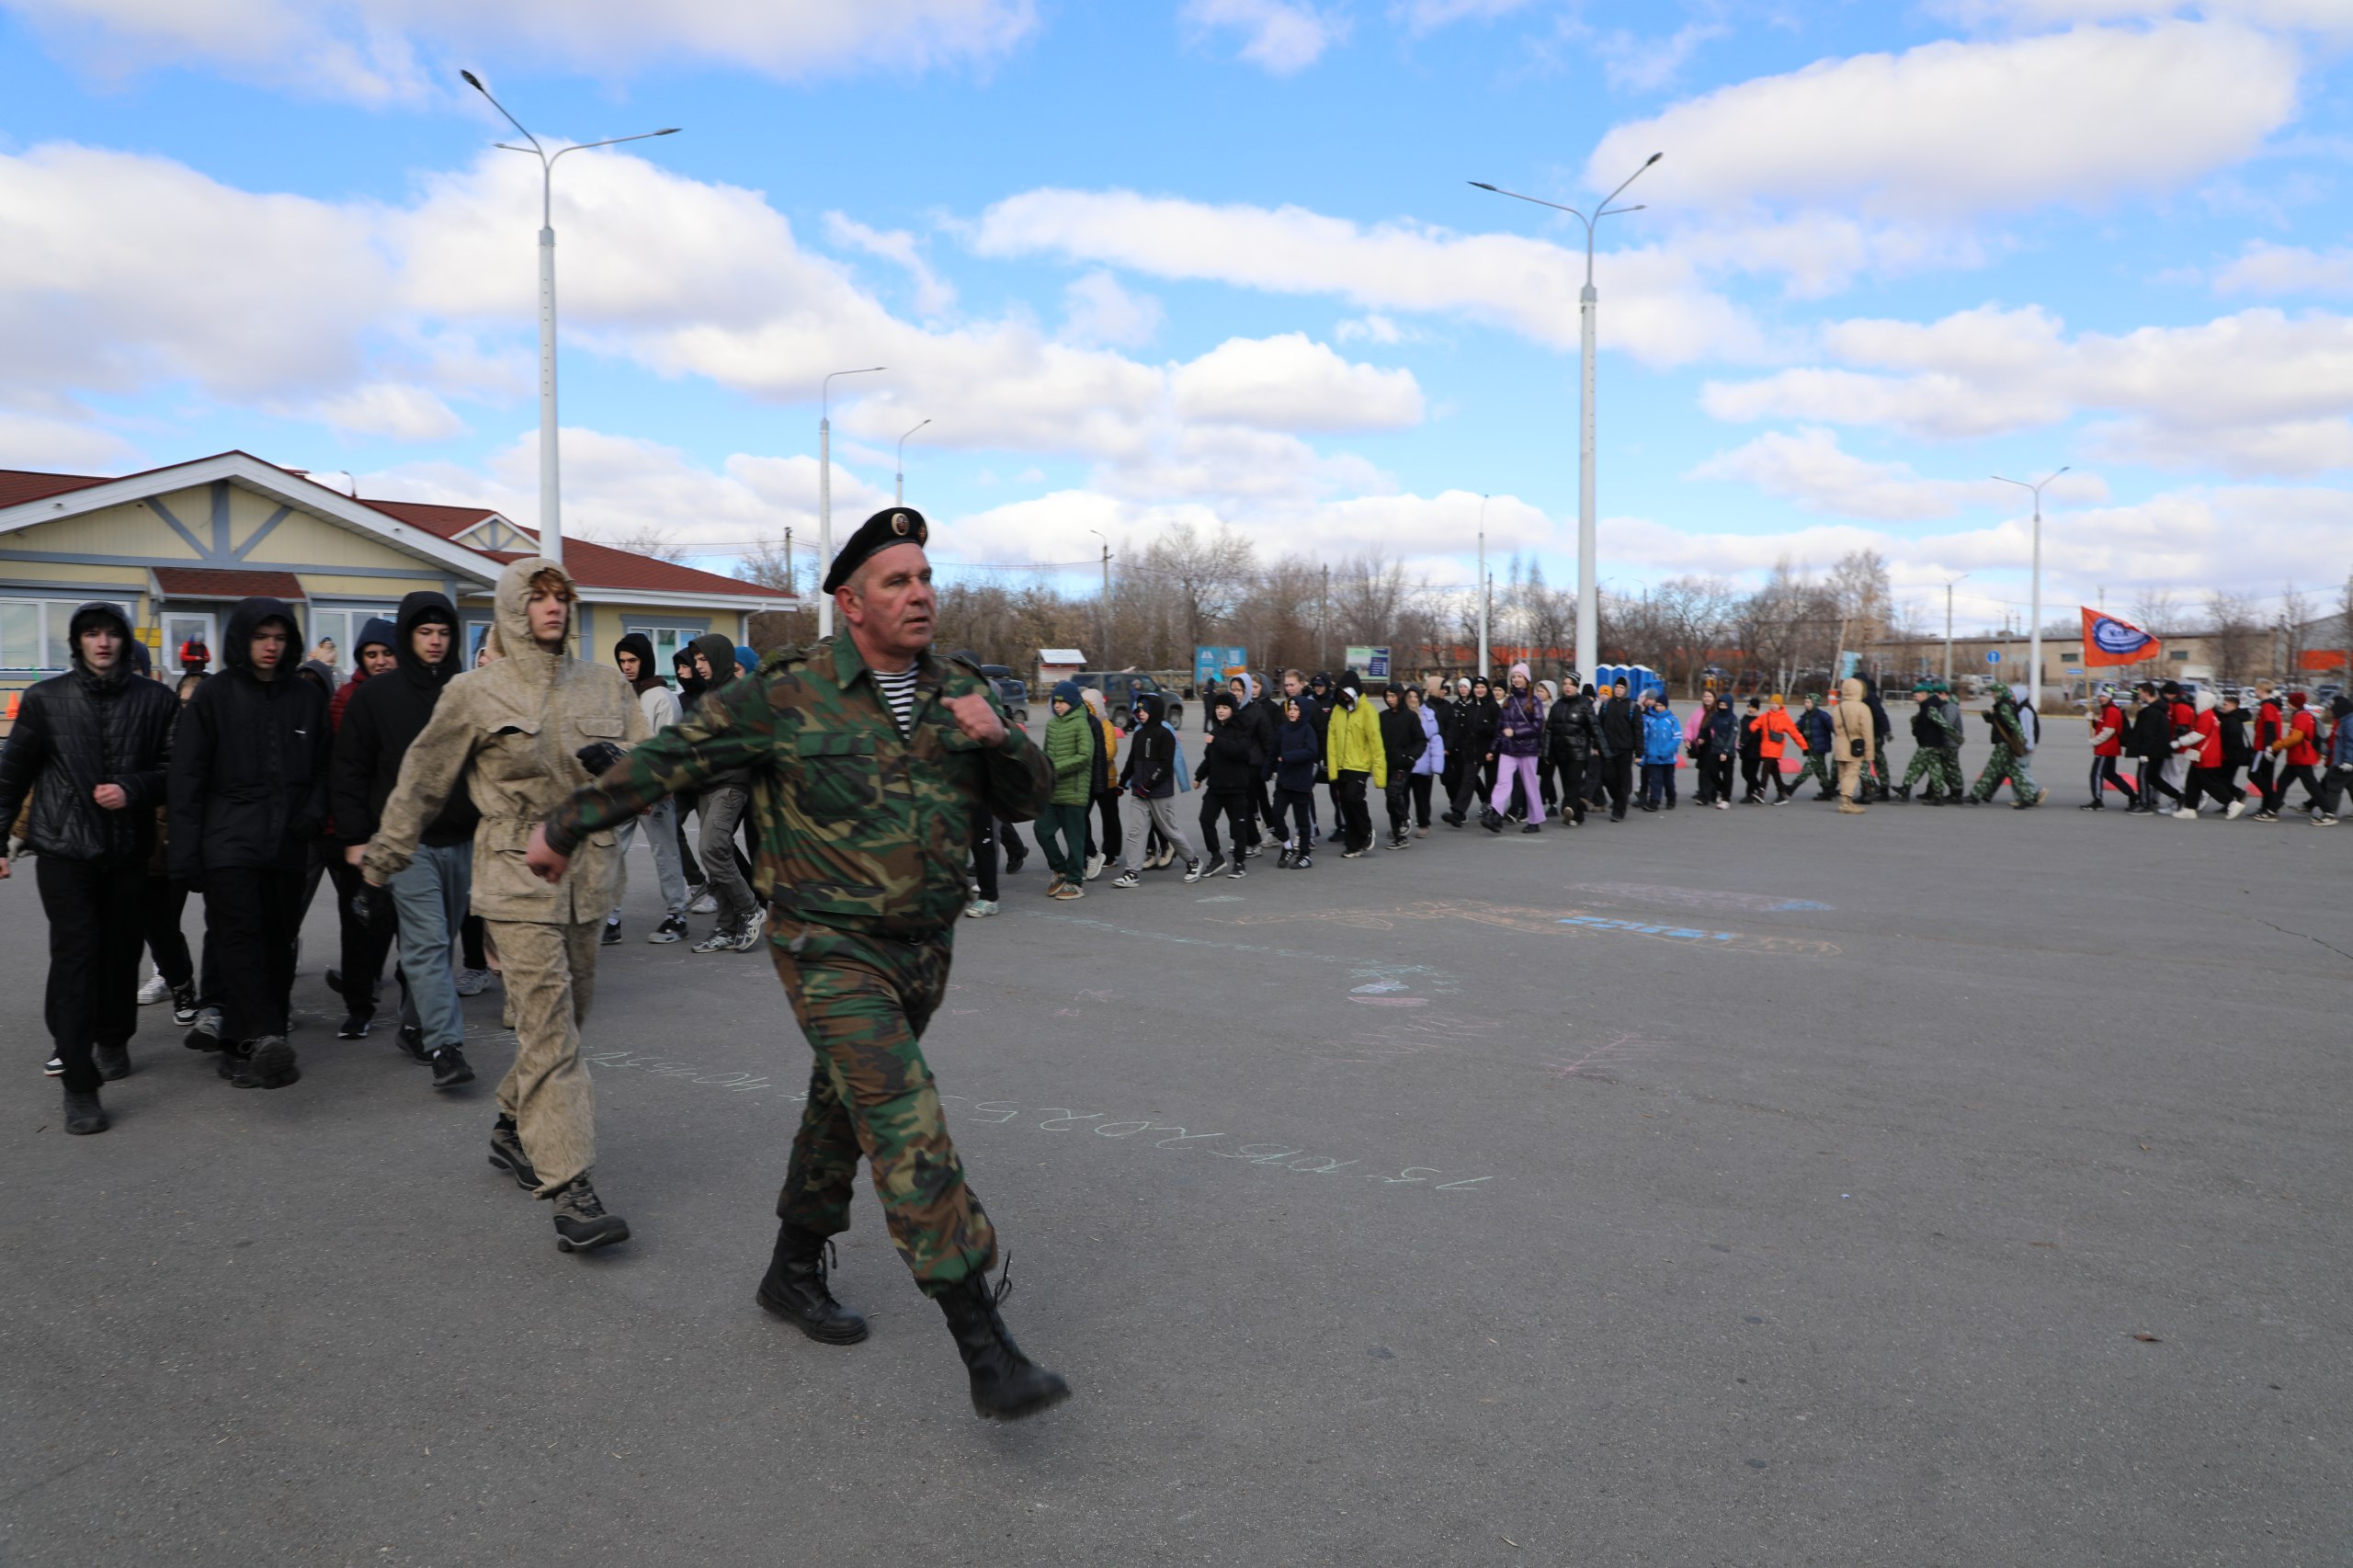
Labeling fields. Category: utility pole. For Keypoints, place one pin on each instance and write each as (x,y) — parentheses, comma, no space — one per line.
(1949,629)
(825,486)
(791,586)
(1103,607)
(1487,590)
(1323,624)
(2034,632)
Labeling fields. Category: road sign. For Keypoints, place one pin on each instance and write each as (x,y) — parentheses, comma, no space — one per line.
(1212,664)
(1993,655)
(1371,662)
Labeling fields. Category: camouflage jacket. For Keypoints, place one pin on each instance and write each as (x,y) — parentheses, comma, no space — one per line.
(857,828)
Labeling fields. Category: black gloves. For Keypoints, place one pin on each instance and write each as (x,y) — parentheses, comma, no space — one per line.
(599,755)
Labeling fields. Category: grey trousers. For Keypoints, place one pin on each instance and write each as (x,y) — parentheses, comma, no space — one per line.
(722,809)
(1136,816)
(661,837)
(430,898)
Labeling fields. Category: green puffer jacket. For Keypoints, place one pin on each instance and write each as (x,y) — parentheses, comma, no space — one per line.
(1070,751)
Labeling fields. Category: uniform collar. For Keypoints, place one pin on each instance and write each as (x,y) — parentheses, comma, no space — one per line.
(849,665)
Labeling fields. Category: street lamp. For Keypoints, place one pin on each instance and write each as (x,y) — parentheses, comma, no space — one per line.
(1103,616)
(899,478)
(551,509)
(1483,594)
(1588,589)
(1949,585)
(2034,636)
(826,489)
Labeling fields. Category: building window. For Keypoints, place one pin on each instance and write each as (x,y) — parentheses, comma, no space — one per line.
(343,624)
(667,641)
(2178,655)
(33,633)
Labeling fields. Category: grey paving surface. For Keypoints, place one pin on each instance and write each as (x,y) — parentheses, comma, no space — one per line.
(1800,1199)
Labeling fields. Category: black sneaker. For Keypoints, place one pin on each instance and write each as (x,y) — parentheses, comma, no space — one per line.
(412,1042)
(54,1067)
(1534,827)
(671,930)
(449,1068)
(581,1223)
(613,930)
(206,1034)
(507,1153)
(1236,871)
(269,1063)
(1304,863)
(355,1026)
(1283,861)
(184,1006)
(1217,864)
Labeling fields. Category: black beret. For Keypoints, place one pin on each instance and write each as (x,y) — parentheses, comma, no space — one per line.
(896,525)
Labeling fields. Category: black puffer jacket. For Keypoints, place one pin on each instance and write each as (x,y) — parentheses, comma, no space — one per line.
(249,761)
(1572,730)
(1230,761)
(383,716)
(80,730)
(1403,739)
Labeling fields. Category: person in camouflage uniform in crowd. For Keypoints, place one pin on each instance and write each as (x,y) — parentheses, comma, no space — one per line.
(2008,759)
(870,758)
(1939,749)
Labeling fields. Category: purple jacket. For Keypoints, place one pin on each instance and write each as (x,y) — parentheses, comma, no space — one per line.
(1523,715)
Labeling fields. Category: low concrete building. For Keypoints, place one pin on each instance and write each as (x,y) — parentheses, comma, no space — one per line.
(176,546)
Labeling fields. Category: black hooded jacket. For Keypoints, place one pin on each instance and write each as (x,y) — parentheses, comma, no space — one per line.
(1572,730)
(716,648)
(1151,768)
(80,730)
(249,760)
(1231,760)
(1403,738)
(383,718)
(1619,723)
(649,674)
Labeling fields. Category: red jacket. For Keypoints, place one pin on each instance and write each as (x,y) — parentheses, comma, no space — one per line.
(2307,728)
(2111,719)
(2209,749)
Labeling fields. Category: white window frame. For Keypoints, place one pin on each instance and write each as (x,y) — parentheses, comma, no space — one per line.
(56,617)
(683,636)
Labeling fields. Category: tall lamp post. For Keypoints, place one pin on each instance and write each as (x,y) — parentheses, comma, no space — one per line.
(551,498)
(1949,585)
(899,479)
(825,488)
(1103,607)
(1483,594)
(2034,633)
(1588,587)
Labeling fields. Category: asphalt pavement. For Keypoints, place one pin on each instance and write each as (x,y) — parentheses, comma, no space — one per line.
(1761,1187)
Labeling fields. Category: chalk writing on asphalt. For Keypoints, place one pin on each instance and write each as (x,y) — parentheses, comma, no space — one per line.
(1701,898)
(1513,918)
(1167,1136)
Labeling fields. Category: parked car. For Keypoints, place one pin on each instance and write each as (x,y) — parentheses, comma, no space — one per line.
(1119,690)
(1014,694)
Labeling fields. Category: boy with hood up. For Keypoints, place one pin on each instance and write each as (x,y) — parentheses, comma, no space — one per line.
(633,656)
(248,797)
(723,798)
(1353,754)
(518,735)
(428,899)
(1851,733)
(1148,782)
(1298,756)
(1230,763)
(90,747)
(1403,741)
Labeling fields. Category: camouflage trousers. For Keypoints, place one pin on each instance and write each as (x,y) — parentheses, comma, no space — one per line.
(1880,774)
(863,1003)
(2005,762)
(1817,767)
(1937,763)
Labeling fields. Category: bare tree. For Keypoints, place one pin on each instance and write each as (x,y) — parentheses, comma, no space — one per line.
(1694,614)
(2295,614)
(2238,636)
(648,540)
(2155,609)
(1203,575)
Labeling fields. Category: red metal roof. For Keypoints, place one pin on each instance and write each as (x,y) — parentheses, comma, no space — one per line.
(19,485)
(447,521)
(204,582)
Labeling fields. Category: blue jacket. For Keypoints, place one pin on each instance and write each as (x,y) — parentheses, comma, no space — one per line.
(1814,725)
(1299,755)
(1661,737)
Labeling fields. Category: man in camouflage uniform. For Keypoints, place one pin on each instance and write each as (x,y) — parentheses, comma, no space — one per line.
(1938,748)
(2009,759)
(870,759)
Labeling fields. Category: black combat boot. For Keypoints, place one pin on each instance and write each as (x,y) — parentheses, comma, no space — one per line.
(794,1288)
(581,1223)
(83,1113)
(507,1153)
(1007,1385)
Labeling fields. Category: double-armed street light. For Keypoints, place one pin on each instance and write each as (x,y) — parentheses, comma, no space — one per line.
(551,509)
(1589,590)
(2034,636)
(899,478)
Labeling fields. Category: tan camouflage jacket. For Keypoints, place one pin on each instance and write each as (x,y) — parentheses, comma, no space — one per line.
(509,729)
(858,828)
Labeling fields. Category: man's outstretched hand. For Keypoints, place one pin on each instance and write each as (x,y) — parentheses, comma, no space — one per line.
(976,718)
(545,863)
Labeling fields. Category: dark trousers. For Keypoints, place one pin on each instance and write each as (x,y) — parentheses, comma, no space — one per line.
(1422,782)
(2103,774)
(1234,805)
(1398,795)
(2152,782)
(469,932)
(1107,804)
(1300,806)
(1350,804)
(2209,783)
(1618,779)
(251,915)
(984,854)
(1459,797)
(365,941)
(96,918)
(1571,770)
(1269,812)
(163,900)
(2275,793)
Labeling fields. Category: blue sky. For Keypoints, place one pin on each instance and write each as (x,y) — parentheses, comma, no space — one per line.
(1217,261)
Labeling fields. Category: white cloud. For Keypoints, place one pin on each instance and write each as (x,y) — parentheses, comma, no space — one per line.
(31,441)
(380,52)
(1654,305)
(1278,36)
(1292,384)
(1097,309)
(1952,127)
(1427,16)
(2314,15)
(1637,64)
(391,409)
(2264,268)
(933,297)
(2189,394)
(1810,468)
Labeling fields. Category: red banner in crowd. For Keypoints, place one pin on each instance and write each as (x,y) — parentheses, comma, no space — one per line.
(2107,640)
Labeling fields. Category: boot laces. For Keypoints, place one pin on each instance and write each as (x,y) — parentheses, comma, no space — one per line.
(1003,1286)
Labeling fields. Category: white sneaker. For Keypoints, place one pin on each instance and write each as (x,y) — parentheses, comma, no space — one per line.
(2186,813)
(154,991)
(708,903)
(980,908)
(2231,812)
(1094,867)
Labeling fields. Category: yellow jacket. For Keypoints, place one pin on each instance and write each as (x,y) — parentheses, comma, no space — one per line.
(1352,745)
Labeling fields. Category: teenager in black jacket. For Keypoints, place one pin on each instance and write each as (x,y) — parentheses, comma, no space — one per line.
(427,901)
(90,747)
(1573,733)
(1231,761)
(249,793)
(1620,740)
